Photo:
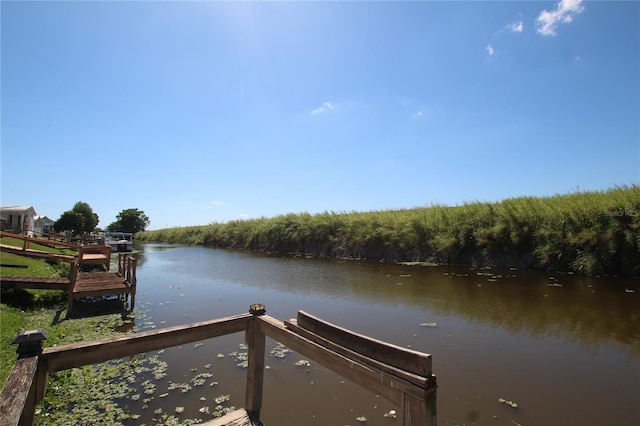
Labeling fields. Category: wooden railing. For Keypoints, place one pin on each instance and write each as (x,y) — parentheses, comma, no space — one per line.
(26,241)
(95,254)
(127,268)
(401,375)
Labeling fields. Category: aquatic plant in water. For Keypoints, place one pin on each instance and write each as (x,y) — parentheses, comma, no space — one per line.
(507,402)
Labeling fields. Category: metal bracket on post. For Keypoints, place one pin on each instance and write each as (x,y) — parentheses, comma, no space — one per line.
(30,342)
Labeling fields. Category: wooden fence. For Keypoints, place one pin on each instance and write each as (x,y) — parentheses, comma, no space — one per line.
(26,241)
(401,375)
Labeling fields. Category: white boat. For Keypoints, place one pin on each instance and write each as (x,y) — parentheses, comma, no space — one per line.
(119,241)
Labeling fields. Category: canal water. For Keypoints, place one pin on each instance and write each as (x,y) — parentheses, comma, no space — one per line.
(564,349)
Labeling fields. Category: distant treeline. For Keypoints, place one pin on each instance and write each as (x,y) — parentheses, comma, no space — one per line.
(586,232)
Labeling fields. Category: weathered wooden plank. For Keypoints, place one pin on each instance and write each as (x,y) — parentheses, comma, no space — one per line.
(34,253)
(16,390)
(78,354)
(43,241)
(255,338)
(411,377)
(91,258)
(373,379)
(95,284)
(418,412)
(22,283)
(235,418)
(407,359)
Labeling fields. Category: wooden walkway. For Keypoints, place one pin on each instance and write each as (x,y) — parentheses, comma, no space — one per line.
(23,283)
(85,284)
(239,417)
(95,284)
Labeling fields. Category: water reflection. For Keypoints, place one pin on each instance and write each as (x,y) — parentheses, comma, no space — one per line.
(498,333)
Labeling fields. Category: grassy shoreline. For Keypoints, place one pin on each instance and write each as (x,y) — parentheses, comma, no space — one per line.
(585,232)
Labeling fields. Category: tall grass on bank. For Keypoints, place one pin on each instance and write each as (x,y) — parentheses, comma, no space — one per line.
(587,232)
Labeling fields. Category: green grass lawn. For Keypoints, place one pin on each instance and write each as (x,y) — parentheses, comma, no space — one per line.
(30,266)
(47,309)
(11,322)
(20,309)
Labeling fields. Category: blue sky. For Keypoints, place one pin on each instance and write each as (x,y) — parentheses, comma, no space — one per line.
(200,112)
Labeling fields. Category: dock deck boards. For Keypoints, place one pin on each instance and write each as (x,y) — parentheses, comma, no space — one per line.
(40,283)
(239,417)
(100,284)
(88,284)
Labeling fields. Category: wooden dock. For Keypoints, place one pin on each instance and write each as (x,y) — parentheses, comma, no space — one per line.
(400,375)
(89,254)
(23,283)
(85,284)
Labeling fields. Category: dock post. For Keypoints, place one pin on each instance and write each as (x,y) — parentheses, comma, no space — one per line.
(255,372)
(24,385)
(73,277)
(420,411)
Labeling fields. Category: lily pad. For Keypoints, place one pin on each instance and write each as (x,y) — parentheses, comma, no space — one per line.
(222,398)
(391,413)
(508,402)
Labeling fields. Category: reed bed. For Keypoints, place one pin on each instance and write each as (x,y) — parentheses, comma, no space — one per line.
(588,232)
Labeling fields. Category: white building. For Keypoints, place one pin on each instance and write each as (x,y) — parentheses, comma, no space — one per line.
(20,219)
(43,225)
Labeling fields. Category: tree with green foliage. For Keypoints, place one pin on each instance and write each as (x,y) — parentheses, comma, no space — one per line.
(130,220)
(90,218)
(70,221)
(79,219)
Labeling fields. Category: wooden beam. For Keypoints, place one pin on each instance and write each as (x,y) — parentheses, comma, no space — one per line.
(407,359)
(22,283)
(16,392)
(235,418)
(255,338)
(398,372)
(418,412)
(34,253)
(373,379)
(42,241)
(79,354)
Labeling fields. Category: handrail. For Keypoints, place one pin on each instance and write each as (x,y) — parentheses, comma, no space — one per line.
(27,240)
(16,390)
(19,395)
(413,392)
(84,353)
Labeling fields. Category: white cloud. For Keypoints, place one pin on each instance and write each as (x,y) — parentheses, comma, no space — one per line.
(418,114)
(324,107)
(490,50)
(516,27)
(565,10)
